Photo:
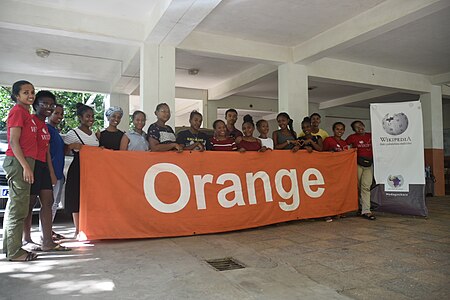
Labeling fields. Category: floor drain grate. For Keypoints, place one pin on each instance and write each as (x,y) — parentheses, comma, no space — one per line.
(225,264)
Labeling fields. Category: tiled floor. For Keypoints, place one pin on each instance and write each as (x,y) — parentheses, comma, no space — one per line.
(394,257)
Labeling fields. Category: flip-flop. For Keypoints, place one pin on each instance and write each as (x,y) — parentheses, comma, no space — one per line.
(369,217)
(29,257)
(57,248)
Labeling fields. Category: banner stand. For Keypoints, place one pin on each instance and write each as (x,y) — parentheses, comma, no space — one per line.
(405,203)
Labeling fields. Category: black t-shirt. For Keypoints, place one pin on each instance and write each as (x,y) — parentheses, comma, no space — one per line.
(187,138)
(110,140)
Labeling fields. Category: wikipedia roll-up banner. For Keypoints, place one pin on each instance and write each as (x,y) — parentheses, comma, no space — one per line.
(397,141)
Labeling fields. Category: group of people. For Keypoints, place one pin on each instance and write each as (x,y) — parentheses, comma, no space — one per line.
(35,157)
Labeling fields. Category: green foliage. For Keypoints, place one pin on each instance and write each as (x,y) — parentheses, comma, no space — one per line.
(5,105)
(68,100)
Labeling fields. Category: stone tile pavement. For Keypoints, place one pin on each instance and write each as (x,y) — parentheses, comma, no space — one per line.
(394,257)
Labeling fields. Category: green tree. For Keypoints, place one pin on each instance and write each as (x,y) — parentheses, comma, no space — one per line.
(68,100)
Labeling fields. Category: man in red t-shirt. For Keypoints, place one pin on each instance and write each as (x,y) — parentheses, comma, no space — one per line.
(362,141)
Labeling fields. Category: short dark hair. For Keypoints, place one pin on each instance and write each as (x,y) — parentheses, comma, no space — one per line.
(43,94)
(217,122)
(230,110)
(158,107)
(338,123)
(17,86)
(137,112)
(193,113)
(354,123)
(259,123)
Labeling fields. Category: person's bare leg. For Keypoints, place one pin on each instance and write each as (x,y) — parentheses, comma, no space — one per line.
(28,220)
(45,215)
(76,222)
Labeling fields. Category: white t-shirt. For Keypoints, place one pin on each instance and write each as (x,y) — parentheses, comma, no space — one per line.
(89,140)
(267,142)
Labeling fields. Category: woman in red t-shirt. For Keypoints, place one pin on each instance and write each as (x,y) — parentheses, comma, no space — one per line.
(19,166)
(362,141)
(44,176)
(335,143)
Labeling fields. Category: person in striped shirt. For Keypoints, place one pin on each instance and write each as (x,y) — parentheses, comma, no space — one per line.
(220,141)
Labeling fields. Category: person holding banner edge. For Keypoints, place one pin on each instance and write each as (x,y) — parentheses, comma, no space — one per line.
(362,141)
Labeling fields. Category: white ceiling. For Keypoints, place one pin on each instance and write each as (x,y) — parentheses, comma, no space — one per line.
(95,44)
(421,47)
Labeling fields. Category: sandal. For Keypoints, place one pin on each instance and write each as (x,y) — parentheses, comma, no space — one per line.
(57,236)
(57,248)
(30,246)
(328,219)
(29,256)
(369,216)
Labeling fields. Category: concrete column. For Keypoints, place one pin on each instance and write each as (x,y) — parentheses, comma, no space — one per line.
(433,136)
(293,92)
(123,101)
(157,79)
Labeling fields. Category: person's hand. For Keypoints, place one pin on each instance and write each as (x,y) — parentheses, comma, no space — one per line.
(28,175)
(178,147)
(296,148)
(242,150)
(53,178)
(199,147)
(309,149)
(263,149)
(295,142)
(75,146)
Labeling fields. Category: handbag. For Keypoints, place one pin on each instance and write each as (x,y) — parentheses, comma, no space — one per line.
(364,161)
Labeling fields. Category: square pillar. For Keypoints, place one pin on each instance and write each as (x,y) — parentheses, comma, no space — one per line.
(293,92)
(433,136)
(157,79)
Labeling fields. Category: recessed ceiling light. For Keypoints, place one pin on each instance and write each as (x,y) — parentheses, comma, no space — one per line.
(193,71)
(44,53)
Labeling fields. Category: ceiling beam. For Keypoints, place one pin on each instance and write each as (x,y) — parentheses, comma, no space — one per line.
(179,20)
(242,80)
(445,90)
(354,98)
(440,78)
(368,76)
(380,19)
(225,46)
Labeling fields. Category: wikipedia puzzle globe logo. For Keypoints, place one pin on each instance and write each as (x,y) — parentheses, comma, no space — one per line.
(395,124)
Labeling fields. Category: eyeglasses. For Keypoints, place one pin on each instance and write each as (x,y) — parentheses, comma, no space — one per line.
(46,105)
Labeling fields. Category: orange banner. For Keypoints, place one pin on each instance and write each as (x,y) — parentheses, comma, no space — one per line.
(127,194)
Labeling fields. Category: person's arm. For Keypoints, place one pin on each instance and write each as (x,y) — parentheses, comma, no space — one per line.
(156,146)
(14,142)
(73,146)
(263,148)
(317,146)
(50,167)
(124,142)
(195,145)
(275,142)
